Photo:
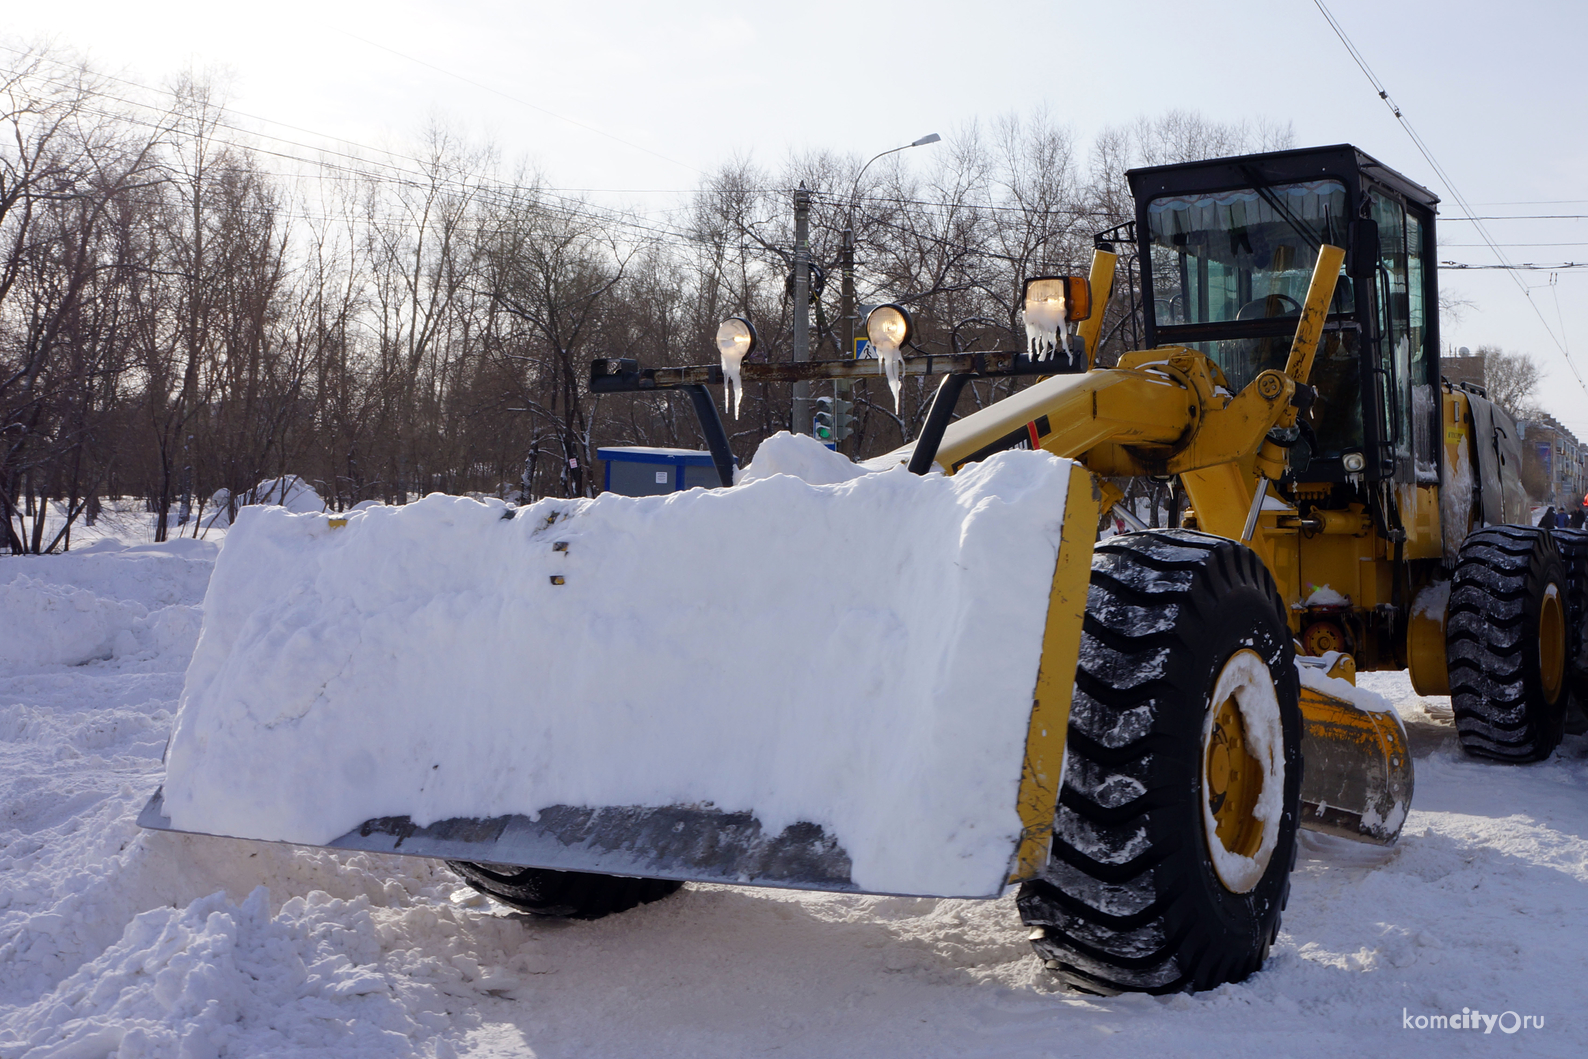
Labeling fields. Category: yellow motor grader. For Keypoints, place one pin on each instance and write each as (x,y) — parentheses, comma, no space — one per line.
(1183,702)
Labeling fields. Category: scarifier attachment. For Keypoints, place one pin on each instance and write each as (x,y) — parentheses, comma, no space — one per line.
(856,687)
(1357,782)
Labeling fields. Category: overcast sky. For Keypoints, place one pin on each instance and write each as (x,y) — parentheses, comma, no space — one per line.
(646,98)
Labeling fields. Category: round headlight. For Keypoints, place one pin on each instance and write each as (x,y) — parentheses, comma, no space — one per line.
(1353,462)
(735,337)
(888,327)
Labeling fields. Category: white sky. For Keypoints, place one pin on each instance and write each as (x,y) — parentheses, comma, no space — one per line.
(1496,91)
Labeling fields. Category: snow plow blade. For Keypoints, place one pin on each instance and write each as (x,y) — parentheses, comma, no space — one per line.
(861,687)
(672,842)
(1357,780)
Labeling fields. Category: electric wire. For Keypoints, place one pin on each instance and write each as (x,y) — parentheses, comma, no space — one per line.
(400,175)
(1455,193)
(522,102)
(502,193)
(497,193)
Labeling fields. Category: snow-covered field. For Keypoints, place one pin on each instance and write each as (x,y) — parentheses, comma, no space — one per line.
(115,941)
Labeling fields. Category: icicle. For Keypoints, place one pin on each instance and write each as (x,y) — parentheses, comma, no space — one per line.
(1044,319)
(735,339)
(732,383)
(889,329)
(891,363)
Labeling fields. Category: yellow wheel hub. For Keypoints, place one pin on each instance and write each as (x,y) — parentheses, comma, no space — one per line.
(1321,637)
(1232,782)
(1551,643)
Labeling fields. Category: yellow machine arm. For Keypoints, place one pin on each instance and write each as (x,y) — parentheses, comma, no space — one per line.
(1162,411)
(1170,411)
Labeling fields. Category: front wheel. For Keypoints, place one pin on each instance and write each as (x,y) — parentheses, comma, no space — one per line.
(1176,826)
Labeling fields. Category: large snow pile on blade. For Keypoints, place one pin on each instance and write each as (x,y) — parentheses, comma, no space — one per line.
(860,655)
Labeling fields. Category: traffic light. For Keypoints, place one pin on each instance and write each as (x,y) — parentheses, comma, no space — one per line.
(843,422)
(832,422)
(822,423)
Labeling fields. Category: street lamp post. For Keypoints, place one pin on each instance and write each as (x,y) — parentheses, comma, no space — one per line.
(849,311)
(802,289)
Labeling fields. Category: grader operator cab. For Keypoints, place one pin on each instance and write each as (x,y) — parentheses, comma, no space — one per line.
(1394,468)
(1130,731)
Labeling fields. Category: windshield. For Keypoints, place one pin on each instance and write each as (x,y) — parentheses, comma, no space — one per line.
(1242,255)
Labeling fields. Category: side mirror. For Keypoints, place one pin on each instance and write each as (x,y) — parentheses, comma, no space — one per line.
(1363,262)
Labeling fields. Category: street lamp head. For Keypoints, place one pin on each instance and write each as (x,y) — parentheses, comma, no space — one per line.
(736,337)
(735,341)
(889,327)
(854,192)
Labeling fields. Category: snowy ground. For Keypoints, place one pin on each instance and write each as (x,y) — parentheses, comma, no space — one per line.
(115,941)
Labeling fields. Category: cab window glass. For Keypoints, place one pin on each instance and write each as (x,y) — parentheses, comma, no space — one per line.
(1425,406)
(1392,300)
(1336,377)
(1242,255)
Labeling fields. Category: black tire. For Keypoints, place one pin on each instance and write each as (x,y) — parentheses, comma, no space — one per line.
(1508,693)
(1131,899)
(562,894)
(1573,547)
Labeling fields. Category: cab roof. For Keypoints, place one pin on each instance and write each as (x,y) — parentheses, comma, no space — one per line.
(1354,166)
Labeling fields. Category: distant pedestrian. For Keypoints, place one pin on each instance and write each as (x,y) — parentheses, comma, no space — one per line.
(1575,520)
(1548,521)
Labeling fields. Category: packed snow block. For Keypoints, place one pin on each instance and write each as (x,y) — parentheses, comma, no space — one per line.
(859,656)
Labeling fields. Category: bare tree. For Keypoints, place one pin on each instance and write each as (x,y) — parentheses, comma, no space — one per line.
(1511,380)
(68,174)
(553,268)
(176,321)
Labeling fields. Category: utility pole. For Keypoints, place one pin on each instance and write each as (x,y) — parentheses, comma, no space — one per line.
(802,307)
(843,389)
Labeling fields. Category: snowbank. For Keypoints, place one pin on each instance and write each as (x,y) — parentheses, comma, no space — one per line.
(216,977)
(50,625)
(801,456)
(859,655)
(290,492)
(102,602)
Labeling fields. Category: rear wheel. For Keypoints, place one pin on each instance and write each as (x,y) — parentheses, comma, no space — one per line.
(1176,826)
(562,894)
(1506,644)
(1573,547)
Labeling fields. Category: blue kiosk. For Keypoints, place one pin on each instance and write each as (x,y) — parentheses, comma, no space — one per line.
(644,470)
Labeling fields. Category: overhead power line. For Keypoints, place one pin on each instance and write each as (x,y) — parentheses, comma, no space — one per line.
(1466,246)
(523,102)
(399,160)
(1525,266)
(402,172)
(500,193)
(1522,217)
(1450,185)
